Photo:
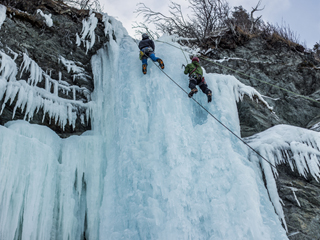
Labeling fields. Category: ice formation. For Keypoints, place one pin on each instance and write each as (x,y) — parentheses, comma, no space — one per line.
(316,127)
(47,17)
(31,98)
(3,11)
(88,37)
(155,165)
(283,144)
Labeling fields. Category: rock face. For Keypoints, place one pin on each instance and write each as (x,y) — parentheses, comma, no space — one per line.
(271,66)
(301,198)
(25,34)
(259,62)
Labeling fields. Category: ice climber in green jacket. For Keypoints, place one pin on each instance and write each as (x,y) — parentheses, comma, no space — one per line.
(195,78)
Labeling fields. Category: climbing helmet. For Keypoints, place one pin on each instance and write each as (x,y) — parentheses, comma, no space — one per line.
(195,59)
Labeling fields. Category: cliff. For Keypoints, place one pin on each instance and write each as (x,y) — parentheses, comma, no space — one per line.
(40,39)
(54,58)
(280,71)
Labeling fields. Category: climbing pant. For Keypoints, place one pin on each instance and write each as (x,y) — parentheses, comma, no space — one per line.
(148,52)
(196,79)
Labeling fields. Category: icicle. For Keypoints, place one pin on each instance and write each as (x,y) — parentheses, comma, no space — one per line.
(47,85)
(8,68)
(87,46)
(71,66)
(3,85)
(82,119)
(11,93)
(88,27)
(47,18)
(74,92)
(3,14)
(32,67)
(272,189)
(29,108)
(25,64)
(56,88)
(241,89)
(19,102)
(78,40)
(88,114)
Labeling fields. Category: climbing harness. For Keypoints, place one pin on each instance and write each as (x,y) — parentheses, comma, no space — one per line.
(141,55)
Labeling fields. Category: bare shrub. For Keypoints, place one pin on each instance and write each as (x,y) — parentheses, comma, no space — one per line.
(247,22)
(281,32)
(211,19)
(208,18)
(84,4)
(316,50)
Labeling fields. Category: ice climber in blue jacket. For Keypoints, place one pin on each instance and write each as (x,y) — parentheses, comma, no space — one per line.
(147,48)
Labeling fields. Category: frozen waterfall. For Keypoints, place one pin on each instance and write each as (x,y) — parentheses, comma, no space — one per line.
(155,165)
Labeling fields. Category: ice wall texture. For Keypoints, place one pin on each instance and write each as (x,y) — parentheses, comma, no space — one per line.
(172,171)
(155,166)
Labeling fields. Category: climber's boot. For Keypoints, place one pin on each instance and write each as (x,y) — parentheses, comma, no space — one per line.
(209,94)
(144,68)
(161,64)
(193,91)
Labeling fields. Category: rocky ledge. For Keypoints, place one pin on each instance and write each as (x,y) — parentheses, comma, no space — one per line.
(272,66)
(43,39)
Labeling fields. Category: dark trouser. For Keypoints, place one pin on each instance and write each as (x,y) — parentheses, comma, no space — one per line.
(194,81)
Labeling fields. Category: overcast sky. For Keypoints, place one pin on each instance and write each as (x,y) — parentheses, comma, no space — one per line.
(303,16)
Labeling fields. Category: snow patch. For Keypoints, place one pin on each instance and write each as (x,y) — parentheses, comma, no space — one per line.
(3,11)
(47,18)
(316,127)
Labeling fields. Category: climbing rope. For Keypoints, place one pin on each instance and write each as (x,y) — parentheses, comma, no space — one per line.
(184,54)
(236,71)
(215,117)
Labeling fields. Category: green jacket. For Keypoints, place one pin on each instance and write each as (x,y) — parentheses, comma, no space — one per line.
(191,66)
